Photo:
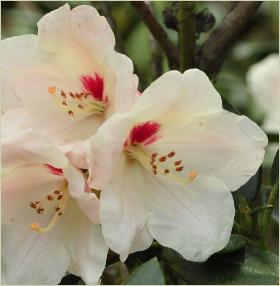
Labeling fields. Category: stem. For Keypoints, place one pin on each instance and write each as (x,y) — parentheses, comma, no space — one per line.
(187,39)
(273,137)
(215,49)
(267,213)
(261,208)
(158,32)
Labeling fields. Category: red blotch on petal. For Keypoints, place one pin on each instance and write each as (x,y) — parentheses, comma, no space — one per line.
(94,85)
(145,133)
(54,170)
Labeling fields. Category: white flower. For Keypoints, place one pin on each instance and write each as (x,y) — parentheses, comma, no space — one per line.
(263,83)
(69,76)
(166,168)
(48,215)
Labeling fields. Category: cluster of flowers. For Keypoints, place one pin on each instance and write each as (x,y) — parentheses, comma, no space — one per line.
(90,164)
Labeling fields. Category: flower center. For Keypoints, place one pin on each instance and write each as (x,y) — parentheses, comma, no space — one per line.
(90,99)
(156,163)
(55,202)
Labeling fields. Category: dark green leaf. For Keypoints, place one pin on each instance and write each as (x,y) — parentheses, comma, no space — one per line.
(235,243)
(275,169)
(247,266)
(249,190)
(146,274)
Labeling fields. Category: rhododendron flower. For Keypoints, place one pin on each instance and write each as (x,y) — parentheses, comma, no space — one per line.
(48,215)
(263,82)
(166,168)
(69,76)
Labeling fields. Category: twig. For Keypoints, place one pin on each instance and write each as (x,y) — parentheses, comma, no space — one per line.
(158,32)
(214,50)
(187,38)
(267,212)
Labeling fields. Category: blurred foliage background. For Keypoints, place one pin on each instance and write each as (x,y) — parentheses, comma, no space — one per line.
(259,39)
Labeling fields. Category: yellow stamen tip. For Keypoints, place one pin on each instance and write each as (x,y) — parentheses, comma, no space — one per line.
(192,174)
(34,226)
(52,90)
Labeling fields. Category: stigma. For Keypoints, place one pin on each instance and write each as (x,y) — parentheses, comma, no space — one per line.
(90,99)
(54,202)
(157,163)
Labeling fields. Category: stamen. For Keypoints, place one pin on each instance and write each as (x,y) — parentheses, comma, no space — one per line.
(71,113)
(52,89)
(162,159)
(171,154)
(177,163)
(59,209)
(179,169)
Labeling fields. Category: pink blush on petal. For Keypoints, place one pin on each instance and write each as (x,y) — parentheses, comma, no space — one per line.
(53,170)
(94,85)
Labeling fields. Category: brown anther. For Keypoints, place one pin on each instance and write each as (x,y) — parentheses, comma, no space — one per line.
(155,172)
(62,93)
(60,213)
(71,113)
(72,94)
(80,106)
(86,95)
(79,96)
(154,167)
(166,171)
(57,209)
(40,210)
(56,192)
(179,169)
(59,197)
(154,155)
(37,202)
(33,205)
(162,159)
(49,198)
(177,163)
(171,154)
(64,103)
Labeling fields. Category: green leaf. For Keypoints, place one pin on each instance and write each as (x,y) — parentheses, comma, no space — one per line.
(275,169)
(249,190)
(247,266)
(235,243)
(149,273)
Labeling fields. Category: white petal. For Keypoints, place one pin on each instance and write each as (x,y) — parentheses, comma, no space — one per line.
(78,189)
(194,219)
(26,146)
(177,96)
(221,145)
(29,257)
(76,152)
(123,213)
(104,149)
(86,246)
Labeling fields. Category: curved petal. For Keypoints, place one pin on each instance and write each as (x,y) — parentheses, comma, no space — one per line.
(176,96)
(221,145)
(86,246)
(104,149)
(123,213)
(78,189)
(26,146)
(194,219)
(26,255)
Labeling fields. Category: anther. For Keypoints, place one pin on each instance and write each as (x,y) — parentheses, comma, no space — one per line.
(154,166)
(71,113)
(35,226)
(59,197)
(72,94)
(171,154)
(179,169)
(33,205)
(57,192)
(154,155)
(162,159)
(192,174)
(62,93)
(177,163)
(166,171)
(64,103)
(80,106)
(52,89)
(40,210)
(155,172)
(49,197)
(60,213)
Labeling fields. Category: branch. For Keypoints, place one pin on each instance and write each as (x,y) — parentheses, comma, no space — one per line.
(214,50)
(158,32)
(187,38)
